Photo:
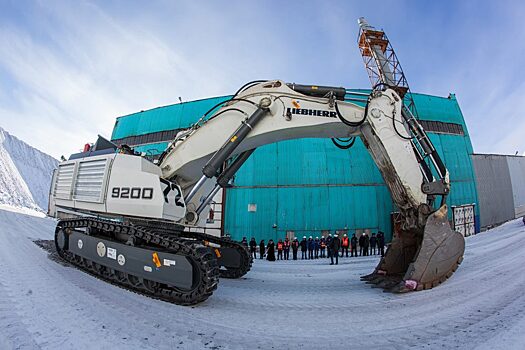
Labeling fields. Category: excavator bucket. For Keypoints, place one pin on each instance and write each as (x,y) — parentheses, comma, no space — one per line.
(420,259)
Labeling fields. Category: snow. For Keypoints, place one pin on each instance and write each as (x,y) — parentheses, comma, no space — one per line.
(25,174)
(293,304)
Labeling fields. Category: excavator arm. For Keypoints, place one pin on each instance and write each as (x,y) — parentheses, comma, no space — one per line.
(425,250)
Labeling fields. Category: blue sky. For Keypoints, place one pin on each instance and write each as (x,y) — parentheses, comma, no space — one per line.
(69,68)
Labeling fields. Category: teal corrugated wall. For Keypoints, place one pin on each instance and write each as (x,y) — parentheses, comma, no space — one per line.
(169,117)
(309,185)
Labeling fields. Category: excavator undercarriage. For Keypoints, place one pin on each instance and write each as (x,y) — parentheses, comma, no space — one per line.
(153,258)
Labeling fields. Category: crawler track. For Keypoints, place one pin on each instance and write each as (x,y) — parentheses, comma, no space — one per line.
(201,257)
(172,229)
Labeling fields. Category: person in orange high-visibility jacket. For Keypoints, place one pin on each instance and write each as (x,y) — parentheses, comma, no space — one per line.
(345,243)
(286,247)
(280,247)
(322,245)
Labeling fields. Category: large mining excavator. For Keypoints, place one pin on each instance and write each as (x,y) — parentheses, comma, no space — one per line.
(131,221)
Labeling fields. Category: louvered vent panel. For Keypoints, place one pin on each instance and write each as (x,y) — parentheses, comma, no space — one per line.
(90,180)
(64,181)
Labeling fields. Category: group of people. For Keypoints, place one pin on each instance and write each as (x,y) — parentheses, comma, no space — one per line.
(315,248)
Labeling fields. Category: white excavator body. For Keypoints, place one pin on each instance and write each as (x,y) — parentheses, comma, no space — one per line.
(110,197)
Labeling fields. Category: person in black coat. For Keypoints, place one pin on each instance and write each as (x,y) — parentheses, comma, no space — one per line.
(361,243)
(310,248)
(262,249)
(253,247)
(373,243)
(295,248)
(328,245)
(270,251)
(335,245)
(244,242)
(304,248)
(381,243)
(286,247)
(353,244)
(366,244)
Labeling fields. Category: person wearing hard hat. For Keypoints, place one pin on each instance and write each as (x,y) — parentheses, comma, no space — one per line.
(345,243)
(310,248)
(304,248)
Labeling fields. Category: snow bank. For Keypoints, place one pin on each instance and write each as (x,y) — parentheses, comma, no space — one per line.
(25,174)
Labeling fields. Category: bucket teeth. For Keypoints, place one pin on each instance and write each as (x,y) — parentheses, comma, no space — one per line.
(423,258)
(369,277)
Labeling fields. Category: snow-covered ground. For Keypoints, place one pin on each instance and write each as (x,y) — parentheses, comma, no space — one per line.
(44,304)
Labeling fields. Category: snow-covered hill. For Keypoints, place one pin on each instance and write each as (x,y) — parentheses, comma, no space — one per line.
(25,173)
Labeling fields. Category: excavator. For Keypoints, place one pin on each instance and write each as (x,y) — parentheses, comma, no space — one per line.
(132,222)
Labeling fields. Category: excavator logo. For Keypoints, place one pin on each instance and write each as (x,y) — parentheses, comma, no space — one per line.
(312,112)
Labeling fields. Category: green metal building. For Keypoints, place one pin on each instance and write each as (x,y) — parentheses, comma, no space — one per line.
(309,186)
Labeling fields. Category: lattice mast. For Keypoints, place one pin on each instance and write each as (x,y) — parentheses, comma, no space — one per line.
(383,68)
(381,62)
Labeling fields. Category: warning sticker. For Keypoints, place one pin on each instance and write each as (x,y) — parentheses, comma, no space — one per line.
(112,253)
(168,262)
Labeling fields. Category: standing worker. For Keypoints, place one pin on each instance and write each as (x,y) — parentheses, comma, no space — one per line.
(244,242)
(361,243)
(310,248)
(353,243)
(373,243)
(335,244)
(381,243)
(253,247)
(366,243)
(316,248)
(286,247)
(262,249)
(329,245)
(270,251)
(280,249)
(295,248)
(304,247)
(322,246)
(345,243)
